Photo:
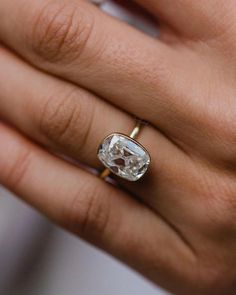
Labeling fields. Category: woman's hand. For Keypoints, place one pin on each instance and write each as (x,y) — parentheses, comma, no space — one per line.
(79,75)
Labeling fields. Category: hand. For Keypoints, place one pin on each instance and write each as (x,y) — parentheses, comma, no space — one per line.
(79,75)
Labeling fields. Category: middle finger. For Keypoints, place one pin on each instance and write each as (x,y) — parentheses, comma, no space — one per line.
(76,41)
(64,117)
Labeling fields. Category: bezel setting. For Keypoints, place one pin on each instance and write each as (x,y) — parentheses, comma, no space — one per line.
(124,156)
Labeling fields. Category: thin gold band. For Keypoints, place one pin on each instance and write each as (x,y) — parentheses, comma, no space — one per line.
(134,134)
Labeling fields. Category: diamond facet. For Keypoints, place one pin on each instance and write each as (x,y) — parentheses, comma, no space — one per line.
(124,156)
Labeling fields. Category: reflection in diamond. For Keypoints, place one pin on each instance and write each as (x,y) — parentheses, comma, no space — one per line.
(119,162)
(124,156)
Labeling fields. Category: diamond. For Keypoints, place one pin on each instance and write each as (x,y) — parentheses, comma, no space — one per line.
(124,156)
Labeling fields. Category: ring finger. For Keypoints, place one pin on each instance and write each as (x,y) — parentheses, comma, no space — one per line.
(65,117)
(56,113)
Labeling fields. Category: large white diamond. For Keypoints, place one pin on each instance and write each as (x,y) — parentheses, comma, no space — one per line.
(124,156)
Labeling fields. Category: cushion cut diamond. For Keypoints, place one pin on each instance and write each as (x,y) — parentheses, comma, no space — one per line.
(124,156)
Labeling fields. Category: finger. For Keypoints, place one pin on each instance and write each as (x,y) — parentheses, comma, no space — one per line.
(78,42)
(55,113)
(89,207)
(203,19)
(66,118)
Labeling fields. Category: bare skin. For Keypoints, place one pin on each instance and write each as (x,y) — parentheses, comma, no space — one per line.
(77,75)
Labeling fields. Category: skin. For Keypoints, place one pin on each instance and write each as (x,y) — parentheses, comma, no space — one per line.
(70,75)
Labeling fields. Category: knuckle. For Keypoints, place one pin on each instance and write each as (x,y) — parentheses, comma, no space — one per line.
(60,32)
(222,213)
(88,215)
(65,120)
(219,276)
(220,137)
(219,204)
(223,126)
(18,169)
